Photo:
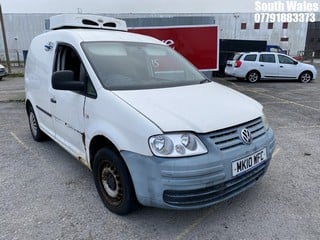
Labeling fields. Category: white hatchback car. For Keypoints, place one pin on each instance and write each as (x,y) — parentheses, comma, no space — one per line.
(3,71)
(254,66)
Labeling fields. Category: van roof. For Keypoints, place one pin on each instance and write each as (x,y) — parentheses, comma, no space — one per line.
(67,21)
(96,35)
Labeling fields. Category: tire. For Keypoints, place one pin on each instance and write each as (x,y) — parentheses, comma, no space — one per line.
(36,132)
(305,77)
(253,76)
(113,182)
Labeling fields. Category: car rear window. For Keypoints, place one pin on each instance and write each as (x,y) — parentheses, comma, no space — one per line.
(237,56)
(250,57)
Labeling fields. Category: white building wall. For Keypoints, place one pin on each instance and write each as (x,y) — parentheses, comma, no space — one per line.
(20,30)
(230,28)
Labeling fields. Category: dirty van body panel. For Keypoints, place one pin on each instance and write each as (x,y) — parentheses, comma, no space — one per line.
(127,129)
(67,107)
(67,111)
(37,82)
(199,181)
(60,113)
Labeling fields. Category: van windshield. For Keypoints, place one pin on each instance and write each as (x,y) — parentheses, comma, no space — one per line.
(131,66)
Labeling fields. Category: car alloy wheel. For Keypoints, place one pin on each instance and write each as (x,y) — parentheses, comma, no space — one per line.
(305,77)
(253,76)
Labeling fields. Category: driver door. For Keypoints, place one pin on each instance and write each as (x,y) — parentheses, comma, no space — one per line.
(67,107)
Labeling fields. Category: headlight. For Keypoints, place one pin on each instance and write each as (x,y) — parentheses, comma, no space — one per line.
(265,121)
(176,145)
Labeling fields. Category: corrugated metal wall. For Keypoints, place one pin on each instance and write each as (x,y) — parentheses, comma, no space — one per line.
(169,21)
(20,29)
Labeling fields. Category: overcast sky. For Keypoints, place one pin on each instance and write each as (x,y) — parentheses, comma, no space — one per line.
(128,6)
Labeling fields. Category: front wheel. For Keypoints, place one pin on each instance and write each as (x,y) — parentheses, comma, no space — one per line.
(113,182)
(305,77)
(253,76)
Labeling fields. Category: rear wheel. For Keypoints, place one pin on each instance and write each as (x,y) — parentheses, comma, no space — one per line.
(113,182)
(36,132)
(253,76)
(305,77)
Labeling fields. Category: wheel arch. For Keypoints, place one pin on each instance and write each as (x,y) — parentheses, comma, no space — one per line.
(306,71)
(28,105)
(253,70)
(98,142)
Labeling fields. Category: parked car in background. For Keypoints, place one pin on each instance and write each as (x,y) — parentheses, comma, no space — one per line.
(254,66)
(3,71)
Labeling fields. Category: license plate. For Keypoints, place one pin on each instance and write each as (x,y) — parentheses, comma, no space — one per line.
(250,162)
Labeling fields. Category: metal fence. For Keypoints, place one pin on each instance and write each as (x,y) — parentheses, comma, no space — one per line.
(16,58)
(309,55)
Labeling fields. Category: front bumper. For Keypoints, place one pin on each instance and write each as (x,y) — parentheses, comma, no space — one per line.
(198,181)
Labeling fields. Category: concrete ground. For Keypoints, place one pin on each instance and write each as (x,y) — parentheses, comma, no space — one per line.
(46,194)
(11,89)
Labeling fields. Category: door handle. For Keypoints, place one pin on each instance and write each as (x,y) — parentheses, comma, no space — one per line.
(261,65)
(281,66)
(53,100)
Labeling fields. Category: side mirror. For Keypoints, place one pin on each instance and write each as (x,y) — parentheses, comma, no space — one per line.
(63,80)
(295,62)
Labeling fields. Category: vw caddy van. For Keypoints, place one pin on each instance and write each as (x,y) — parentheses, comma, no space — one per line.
(153,130)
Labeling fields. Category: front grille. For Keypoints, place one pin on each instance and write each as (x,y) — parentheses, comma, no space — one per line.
(216,193)
(229,138)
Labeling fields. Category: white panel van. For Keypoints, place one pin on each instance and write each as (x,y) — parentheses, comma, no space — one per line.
(153,130)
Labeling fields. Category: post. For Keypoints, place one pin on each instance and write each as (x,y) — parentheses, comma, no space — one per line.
(312,56)
(5,41)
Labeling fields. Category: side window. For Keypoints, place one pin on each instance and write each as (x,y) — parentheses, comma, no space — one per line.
(68,59)
(250,57)
(91,92)
(285,60)
(268,58)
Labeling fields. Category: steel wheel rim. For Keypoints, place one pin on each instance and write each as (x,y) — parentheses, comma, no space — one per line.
(110,180)
(33,123)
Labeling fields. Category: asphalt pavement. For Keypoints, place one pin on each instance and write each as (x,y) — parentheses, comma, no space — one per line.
(46,194)
(12,89)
